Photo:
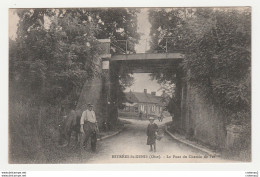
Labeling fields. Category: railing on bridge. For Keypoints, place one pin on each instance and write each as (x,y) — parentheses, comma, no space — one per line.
(130,46)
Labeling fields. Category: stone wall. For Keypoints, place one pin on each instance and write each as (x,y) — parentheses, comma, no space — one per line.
(200,120)
(93,92)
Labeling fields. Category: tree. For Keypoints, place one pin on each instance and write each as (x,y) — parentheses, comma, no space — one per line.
(57,49)
(217,44)
(220,63)
(55,52)
(54,59)
(119,25)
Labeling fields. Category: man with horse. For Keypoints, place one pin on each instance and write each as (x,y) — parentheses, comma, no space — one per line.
(84,125)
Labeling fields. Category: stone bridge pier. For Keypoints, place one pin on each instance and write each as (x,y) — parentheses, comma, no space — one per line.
(97,90)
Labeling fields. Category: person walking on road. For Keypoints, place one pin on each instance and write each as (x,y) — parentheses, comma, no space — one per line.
(161,117)
(151,132)
(88,128)
(141,115)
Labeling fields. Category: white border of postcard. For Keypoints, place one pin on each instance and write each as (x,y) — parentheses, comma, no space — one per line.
(253,166)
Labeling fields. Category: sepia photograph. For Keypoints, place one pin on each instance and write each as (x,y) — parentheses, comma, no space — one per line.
(129,85)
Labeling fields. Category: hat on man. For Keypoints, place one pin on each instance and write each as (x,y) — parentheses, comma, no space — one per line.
(151,118)
(90,105)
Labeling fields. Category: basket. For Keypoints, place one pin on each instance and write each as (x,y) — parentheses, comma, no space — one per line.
(159,135)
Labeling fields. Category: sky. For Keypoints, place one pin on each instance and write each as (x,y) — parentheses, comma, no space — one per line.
(143,27)
(142,80)
(13,20)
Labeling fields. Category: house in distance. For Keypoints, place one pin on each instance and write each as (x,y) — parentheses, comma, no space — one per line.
(145,104)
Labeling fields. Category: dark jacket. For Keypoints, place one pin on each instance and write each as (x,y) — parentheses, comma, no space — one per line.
(150,132)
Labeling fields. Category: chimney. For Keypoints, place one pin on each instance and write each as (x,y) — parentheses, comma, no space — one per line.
(145,91)
(153,93)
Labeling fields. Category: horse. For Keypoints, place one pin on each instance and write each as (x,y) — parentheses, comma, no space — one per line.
(68,125)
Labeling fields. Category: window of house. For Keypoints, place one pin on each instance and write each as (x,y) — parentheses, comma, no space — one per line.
(142,108)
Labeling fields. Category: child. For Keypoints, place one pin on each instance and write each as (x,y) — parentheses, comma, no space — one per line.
(151,132)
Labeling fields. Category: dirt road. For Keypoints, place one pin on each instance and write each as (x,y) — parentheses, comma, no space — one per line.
(130,147)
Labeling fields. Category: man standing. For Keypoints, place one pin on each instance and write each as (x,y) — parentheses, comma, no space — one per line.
(89,127)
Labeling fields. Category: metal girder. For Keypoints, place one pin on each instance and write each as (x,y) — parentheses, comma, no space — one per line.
(148,56)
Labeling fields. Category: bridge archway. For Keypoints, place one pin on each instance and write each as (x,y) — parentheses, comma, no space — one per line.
(138,63)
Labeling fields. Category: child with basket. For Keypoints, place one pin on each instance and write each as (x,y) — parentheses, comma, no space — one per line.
(152,133)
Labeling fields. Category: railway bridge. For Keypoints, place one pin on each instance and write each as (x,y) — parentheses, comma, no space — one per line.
(193,118)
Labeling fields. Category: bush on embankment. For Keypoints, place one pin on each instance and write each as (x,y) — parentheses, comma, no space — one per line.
(33,131)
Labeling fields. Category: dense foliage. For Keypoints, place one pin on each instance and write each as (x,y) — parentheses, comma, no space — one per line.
(217,45)
(52,60)
(119,25)
(55,52)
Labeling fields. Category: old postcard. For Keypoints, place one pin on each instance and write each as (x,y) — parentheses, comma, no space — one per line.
(129,85)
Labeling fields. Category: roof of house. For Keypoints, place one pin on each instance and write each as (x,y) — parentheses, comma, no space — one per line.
(138,97)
